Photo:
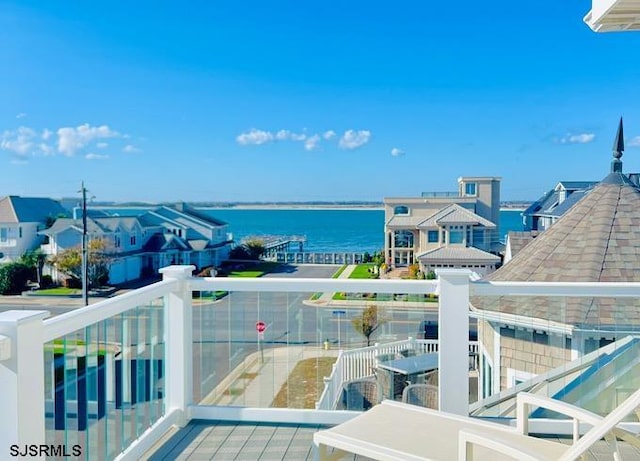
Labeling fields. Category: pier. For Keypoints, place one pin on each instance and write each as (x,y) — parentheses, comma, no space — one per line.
(274,244)
(290,249)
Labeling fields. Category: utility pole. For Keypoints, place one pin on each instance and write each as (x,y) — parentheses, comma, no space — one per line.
(85,266)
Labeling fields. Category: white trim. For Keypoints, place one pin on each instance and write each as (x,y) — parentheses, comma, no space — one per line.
(514,375)
(145,442)
(270,415)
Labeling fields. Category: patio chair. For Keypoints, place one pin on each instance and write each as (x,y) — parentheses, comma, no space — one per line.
(423,395)
(360,394)
(397,431)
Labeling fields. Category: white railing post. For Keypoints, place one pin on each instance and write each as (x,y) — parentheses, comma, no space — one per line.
(453,335)
(178,342)
(22,380)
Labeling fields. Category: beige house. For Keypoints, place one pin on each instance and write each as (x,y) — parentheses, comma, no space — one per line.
(446,229)
(597,240)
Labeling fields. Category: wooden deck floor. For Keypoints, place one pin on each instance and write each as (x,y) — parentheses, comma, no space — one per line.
(210,440)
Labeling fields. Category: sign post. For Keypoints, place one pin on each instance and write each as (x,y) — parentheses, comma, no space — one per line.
(339,313)
(260,328)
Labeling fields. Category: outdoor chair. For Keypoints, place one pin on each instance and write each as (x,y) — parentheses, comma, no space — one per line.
(423,395)
(390,385)
(397,431)
(360,394)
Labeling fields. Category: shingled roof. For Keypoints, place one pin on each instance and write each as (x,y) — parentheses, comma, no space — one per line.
(14,209)
(598,240)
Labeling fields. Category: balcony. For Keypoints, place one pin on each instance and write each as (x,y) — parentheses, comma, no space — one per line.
(111,379)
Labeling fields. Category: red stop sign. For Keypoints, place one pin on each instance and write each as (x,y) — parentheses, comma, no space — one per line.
(260,327)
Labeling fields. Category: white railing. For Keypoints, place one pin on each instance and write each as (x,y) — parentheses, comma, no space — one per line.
(360,363)
(22,374)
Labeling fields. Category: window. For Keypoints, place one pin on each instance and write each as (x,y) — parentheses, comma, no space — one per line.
(401,209)
(133,240)
(470,189)
(478,237)
(403,239)
(19,232)
(456,234)
(4,234)
(432,236)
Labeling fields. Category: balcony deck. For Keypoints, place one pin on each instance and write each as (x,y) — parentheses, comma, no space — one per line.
(208,440)
(117,375)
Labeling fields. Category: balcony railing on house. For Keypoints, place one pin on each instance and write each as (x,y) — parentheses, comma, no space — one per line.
(109,379)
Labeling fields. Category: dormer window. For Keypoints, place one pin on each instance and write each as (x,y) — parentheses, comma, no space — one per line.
(401,209)
(470,189)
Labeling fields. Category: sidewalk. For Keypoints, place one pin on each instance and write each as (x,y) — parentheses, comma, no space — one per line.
(258,379)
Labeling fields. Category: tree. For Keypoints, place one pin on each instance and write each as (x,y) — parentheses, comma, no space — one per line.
(368,322)
(250,249)
(69,262)
(255,248)
(35,259)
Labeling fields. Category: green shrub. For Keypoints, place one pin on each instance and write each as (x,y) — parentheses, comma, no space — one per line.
(14,277)
(46,281)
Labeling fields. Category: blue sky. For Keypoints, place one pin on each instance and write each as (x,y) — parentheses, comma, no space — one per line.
(290,100)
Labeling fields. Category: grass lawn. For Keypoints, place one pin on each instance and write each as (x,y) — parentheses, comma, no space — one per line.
(58,291)
(385,297)
(362,272)
(305,384)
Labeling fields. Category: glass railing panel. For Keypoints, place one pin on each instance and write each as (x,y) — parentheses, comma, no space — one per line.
(104,383)
(583,351)
(286,364)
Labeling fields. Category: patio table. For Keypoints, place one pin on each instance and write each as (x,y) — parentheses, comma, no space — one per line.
(407,369)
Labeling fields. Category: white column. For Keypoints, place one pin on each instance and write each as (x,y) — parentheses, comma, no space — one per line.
(22,379)
(453,336)
(178,341)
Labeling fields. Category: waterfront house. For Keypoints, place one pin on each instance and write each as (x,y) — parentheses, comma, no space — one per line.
(597,240)
(446,229)
(21,218)
(137,246)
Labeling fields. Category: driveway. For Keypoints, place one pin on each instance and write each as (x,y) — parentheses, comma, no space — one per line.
(322,271)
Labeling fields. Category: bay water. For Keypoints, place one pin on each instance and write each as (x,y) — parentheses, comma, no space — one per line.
(326,230)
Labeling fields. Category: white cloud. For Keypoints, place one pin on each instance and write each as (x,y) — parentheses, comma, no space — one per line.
(298,136)
(255,137)
(102,145)
(352,139)
(71,140)
(20,141)
(329,134)
(311,142)
(283,135)
(45,148)
(131,149)
(634,142)
(92,156)
(582,138)
(397,152)
(21,115)
(46,134)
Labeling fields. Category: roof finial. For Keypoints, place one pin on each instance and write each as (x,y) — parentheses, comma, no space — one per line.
(618,148)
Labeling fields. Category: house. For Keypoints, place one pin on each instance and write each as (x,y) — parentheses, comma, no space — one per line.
(138,246)
(545,211)
(446,229)
(21,218)
(597,240)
